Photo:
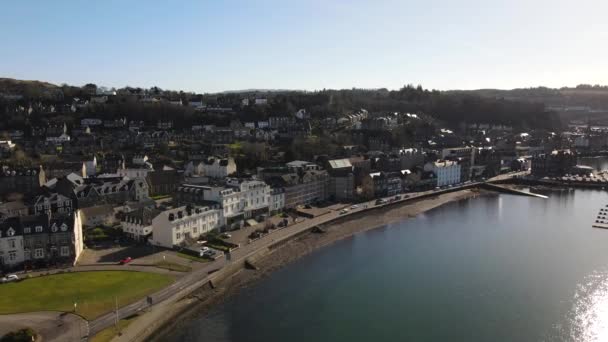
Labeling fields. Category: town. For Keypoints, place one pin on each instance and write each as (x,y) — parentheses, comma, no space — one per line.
(108,179)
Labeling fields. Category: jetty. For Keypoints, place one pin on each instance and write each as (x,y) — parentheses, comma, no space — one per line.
(508,190)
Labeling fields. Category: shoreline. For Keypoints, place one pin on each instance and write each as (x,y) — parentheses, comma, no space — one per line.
(206,298)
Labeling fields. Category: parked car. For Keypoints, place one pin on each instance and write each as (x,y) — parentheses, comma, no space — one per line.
(226,236)
(343,211)
(125,261)
(354,206)
(380,201)
(397,197)
(10,278)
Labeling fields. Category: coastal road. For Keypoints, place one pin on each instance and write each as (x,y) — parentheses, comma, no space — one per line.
(201,276)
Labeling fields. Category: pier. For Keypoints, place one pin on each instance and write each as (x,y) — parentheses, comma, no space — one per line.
(508,190)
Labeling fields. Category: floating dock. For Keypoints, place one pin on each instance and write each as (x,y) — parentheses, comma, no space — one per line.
(601,220)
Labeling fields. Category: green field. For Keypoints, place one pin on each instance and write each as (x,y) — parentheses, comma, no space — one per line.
(95,292)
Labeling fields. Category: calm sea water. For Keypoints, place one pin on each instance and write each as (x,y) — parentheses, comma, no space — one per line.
(495,268)
(598,163)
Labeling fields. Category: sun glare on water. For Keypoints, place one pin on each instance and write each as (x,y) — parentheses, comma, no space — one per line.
(589,316)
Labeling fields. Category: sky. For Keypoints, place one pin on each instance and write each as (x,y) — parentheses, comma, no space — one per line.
(217,45)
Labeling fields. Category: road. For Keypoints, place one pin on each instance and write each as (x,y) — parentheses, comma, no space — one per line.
(201,276)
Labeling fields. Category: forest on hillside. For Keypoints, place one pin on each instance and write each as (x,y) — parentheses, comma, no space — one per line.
(452,107)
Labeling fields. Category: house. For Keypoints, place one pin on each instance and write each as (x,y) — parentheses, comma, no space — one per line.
(46,201)
(11,245)
(163,182)
(99,215)
(215,167)
(183,226)
(40,241)
(137,224)
(20,180)
(13,209)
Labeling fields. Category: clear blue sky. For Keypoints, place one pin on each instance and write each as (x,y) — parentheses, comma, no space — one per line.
(208,46)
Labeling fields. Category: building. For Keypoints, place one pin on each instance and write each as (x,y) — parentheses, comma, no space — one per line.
(447,172)
(99,215)
(465,156)
(163,182)
(137,224)
(302,188)
(184,225)
(554,164)
(218,167)
(342,180)
(238,200)
(20,180)
(11,246)
(40,241)
(381,184)
(277,200)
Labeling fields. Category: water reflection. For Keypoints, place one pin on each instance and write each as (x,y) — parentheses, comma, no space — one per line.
(589,315)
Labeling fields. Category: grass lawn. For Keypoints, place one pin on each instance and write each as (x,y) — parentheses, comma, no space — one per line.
(191,257)
(107,334)
(173,266)
(95,292)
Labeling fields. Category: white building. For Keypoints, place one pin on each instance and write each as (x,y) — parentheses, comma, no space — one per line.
(277,200)
(11,247)
(218,167)
(254,196)
(134,172)
(447,172)
(183,225)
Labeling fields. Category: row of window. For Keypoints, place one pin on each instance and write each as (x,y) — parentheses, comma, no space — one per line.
(64,251)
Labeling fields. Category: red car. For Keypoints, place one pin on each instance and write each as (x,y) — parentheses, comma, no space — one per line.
(125,261)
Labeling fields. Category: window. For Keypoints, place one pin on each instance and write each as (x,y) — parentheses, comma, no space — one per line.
(38,229)
(178,236)
(65,251)
(38,253)
(27,254)
(12,256)
(11,243)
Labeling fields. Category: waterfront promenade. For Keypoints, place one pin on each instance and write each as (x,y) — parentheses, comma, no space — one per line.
(219,268)
(214,270)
